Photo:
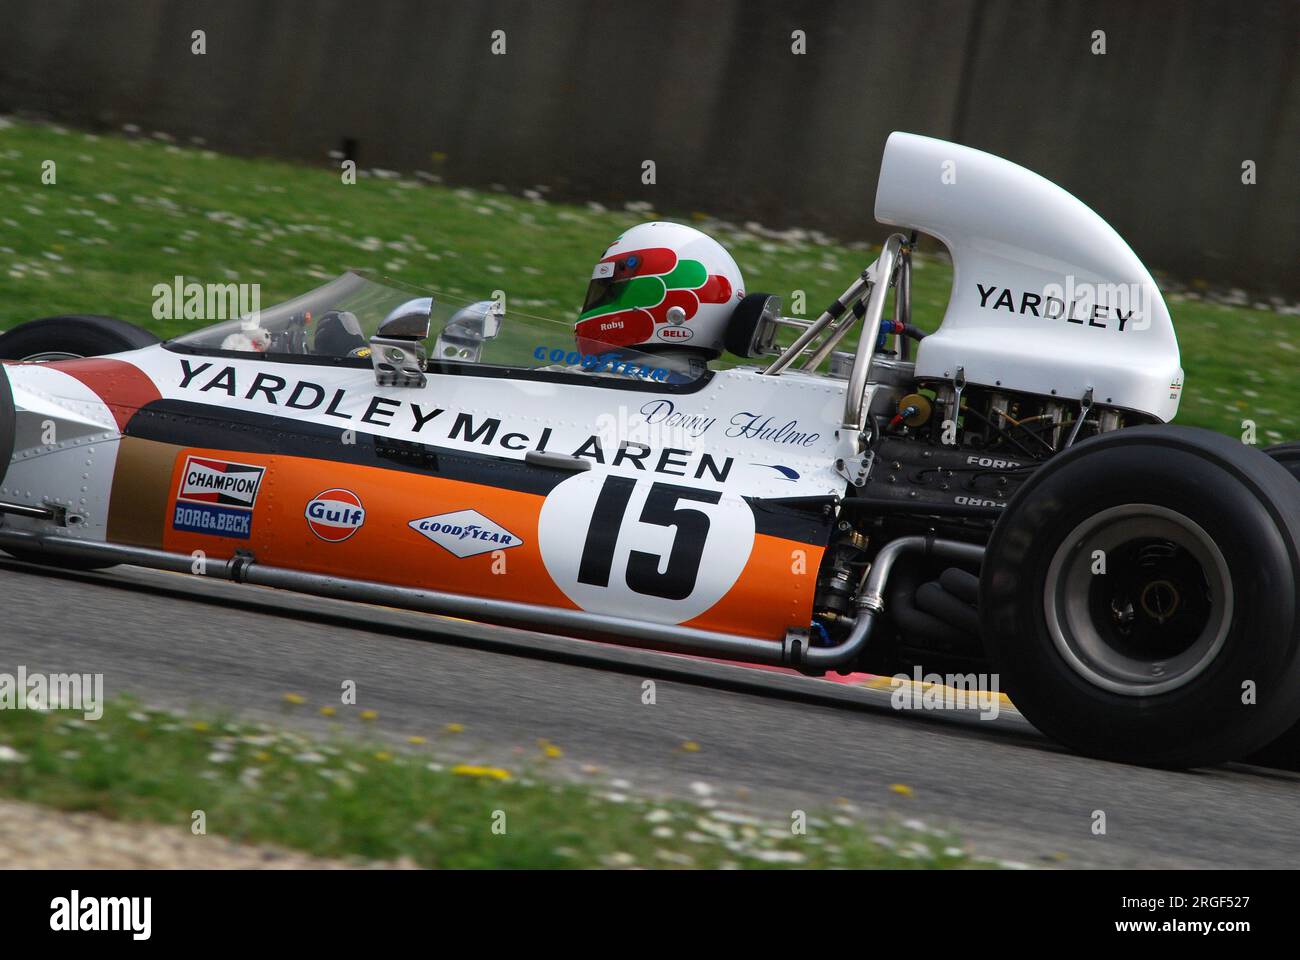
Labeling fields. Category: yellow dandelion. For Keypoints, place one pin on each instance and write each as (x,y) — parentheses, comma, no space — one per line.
(474,770)
(297,699)
(690,746)
(454,728)
(328,711)
(901,788)
(369,715)
(199,725)
(261,756)
(416,740)
(383,756)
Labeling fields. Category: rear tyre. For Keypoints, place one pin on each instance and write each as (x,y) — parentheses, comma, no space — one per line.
(1287,454)
(1285,750)
(72,337)
(1139,597)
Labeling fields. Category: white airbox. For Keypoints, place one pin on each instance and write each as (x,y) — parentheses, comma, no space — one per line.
(1046,297)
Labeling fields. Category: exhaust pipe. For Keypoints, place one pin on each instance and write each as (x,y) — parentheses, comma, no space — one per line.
(871,602)
(793,651)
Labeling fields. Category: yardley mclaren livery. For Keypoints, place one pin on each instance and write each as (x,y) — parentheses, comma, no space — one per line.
(687,469)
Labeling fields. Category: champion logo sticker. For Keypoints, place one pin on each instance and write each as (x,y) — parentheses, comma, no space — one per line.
(465,533)
(220,482)
(217,497)
(335,515)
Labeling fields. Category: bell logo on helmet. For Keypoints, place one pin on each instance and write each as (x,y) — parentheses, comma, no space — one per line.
(673,334)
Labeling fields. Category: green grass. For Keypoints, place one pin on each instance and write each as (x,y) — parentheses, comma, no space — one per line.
(343,798)
(126,214)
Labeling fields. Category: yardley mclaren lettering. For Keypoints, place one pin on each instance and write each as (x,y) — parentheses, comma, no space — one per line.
(435,423)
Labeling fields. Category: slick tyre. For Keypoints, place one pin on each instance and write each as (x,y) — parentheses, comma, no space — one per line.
(68,338)
(1287,454)
(1140,597)
(1285,750)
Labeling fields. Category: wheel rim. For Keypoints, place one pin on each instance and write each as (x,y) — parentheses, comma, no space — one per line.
(1159,614)
(48,356)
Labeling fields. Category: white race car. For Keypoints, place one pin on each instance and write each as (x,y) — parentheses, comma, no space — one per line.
(1002,494)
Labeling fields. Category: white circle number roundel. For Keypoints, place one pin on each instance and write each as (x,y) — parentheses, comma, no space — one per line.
(641,548)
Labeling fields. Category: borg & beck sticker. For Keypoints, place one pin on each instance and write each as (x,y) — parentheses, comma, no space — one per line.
(217,497)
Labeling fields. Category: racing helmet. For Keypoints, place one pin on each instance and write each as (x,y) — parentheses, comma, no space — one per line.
(660,285)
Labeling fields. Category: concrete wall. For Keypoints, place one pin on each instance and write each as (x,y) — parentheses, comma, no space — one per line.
(1152,134)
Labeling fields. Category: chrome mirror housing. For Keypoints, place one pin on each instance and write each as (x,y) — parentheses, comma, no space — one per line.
(396,351)
(409,321)
(463,337)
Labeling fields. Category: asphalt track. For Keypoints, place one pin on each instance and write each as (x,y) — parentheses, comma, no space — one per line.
(771,742)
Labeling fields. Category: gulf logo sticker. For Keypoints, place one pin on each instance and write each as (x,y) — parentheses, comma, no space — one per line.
(334,515)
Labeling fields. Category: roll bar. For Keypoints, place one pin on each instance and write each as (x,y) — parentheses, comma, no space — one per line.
(839,317)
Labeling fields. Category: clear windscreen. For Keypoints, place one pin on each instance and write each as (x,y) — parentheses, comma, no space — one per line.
(335,322)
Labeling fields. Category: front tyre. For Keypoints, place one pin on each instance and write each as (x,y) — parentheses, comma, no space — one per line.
(1139,597)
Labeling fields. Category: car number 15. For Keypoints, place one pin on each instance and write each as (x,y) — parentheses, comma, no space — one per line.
(641,548)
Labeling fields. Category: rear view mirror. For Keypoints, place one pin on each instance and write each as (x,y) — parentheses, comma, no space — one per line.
(410,321)
(463,337)
(396,351)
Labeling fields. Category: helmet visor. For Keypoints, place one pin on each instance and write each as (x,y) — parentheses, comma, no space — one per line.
(600,293)
(622,284)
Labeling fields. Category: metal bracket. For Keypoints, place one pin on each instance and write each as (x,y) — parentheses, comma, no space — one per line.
(958,385)
(851,461)
(239,564)
(856,469)
(1084,406)
(795,646)
(397,363)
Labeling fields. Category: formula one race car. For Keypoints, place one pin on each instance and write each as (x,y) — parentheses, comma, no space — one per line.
(855,495)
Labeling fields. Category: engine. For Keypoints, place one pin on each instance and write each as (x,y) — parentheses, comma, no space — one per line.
(946,458)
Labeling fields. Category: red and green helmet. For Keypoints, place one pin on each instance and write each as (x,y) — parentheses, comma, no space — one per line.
(646,273)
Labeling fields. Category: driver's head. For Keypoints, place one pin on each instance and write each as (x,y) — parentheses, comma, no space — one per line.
(660,285)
